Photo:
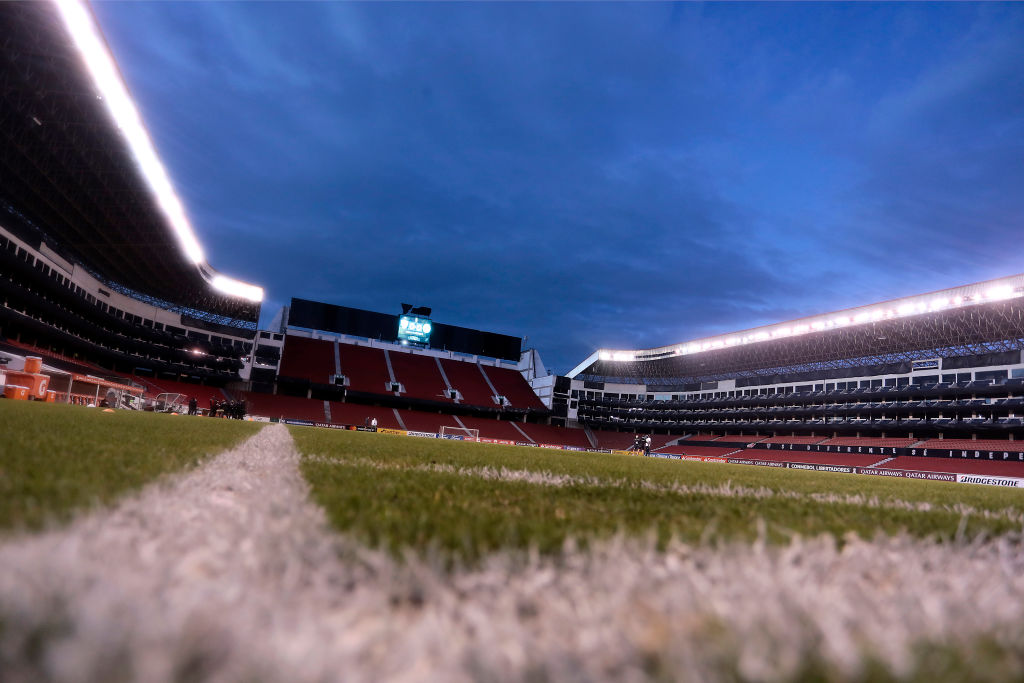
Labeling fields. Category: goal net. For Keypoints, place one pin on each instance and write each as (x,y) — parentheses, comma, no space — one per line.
(466,433)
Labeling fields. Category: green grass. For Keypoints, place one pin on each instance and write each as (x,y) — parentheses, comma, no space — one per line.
(56,459)
(382,489)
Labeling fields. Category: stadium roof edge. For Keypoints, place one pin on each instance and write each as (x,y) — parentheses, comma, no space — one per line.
(82,27)
(945,299)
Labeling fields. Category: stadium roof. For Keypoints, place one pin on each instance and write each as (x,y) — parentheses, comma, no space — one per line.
(78,169)
(976,318)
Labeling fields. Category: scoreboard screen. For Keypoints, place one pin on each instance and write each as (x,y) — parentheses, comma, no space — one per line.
(414,329)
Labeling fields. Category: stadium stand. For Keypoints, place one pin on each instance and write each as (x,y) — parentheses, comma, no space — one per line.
(974,444)
(993,468)
(202,393)
(422,421)
(703,437)
(869,441)
(794,439)
(494,429)
(419,375)
(510,384)
(365,367)
(709,452)
(556,435)
(305,358)
(468,379)
(285,407)
(355,414)
(621,441)
(842,459)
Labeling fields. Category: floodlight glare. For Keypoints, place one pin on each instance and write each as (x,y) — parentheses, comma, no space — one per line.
(92,48)
(237,288)
(114,94)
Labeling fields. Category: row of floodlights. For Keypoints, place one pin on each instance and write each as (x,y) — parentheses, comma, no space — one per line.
(112,90)
(996,293)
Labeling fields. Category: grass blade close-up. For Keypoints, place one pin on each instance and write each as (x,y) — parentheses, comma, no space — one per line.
(56,459)
(466,499)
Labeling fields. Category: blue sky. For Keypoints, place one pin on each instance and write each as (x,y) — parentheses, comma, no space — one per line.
(614,175)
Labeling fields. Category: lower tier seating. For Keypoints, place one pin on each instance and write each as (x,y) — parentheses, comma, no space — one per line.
(869,441)
(285,407)
(494,429)
(557,435)
(794,439)
(709,452)
(202,393)
(996,468)
(354,414)
(974,444)
(844,459)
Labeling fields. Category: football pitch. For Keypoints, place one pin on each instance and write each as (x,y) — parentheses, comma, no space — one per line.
(155,547)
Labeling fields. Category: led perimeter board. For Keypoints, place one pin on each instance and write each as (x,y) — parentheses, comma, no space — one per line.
(414,329)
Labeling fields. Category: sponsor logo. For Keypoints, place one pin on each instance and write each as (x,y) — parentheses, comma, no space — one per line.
(504,442)
(667,456)
(935,476)
(328,425)
(304,423)
(881,473)
(988,481)
(572,448)
(801,466)
(452,437)
(387,430)
(360,428)
(526,443)
(550,445)
(423,435)
(833,468)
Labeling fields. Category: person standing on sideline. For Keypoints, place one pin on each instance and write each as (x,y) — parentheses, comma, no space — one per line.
(647,446)
(192,406)
(373,423)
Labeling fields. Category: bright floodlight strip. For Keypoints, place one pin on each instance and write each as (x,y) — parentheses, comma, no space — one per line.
(97,58)
(956,297)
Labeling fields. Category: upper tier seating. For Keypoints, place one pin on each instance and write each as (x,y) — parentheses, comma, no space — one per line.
(794,439)
(869,441)
(559,436)
(995,468)
(468,380)
(365,367)
(419,375)
(287,407)
(511,384)
(305,358)
(975,444)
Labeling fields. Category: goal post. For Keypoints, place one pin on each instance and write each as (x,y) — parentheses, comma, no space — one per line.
(466,433)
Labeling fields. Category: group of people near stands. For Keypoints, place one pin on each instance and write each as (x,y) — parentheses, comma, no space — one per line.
(642,443)
(234,410)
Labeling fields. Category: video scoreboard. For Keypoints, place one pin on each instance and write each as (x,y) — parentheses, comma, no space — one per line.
(414,329)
